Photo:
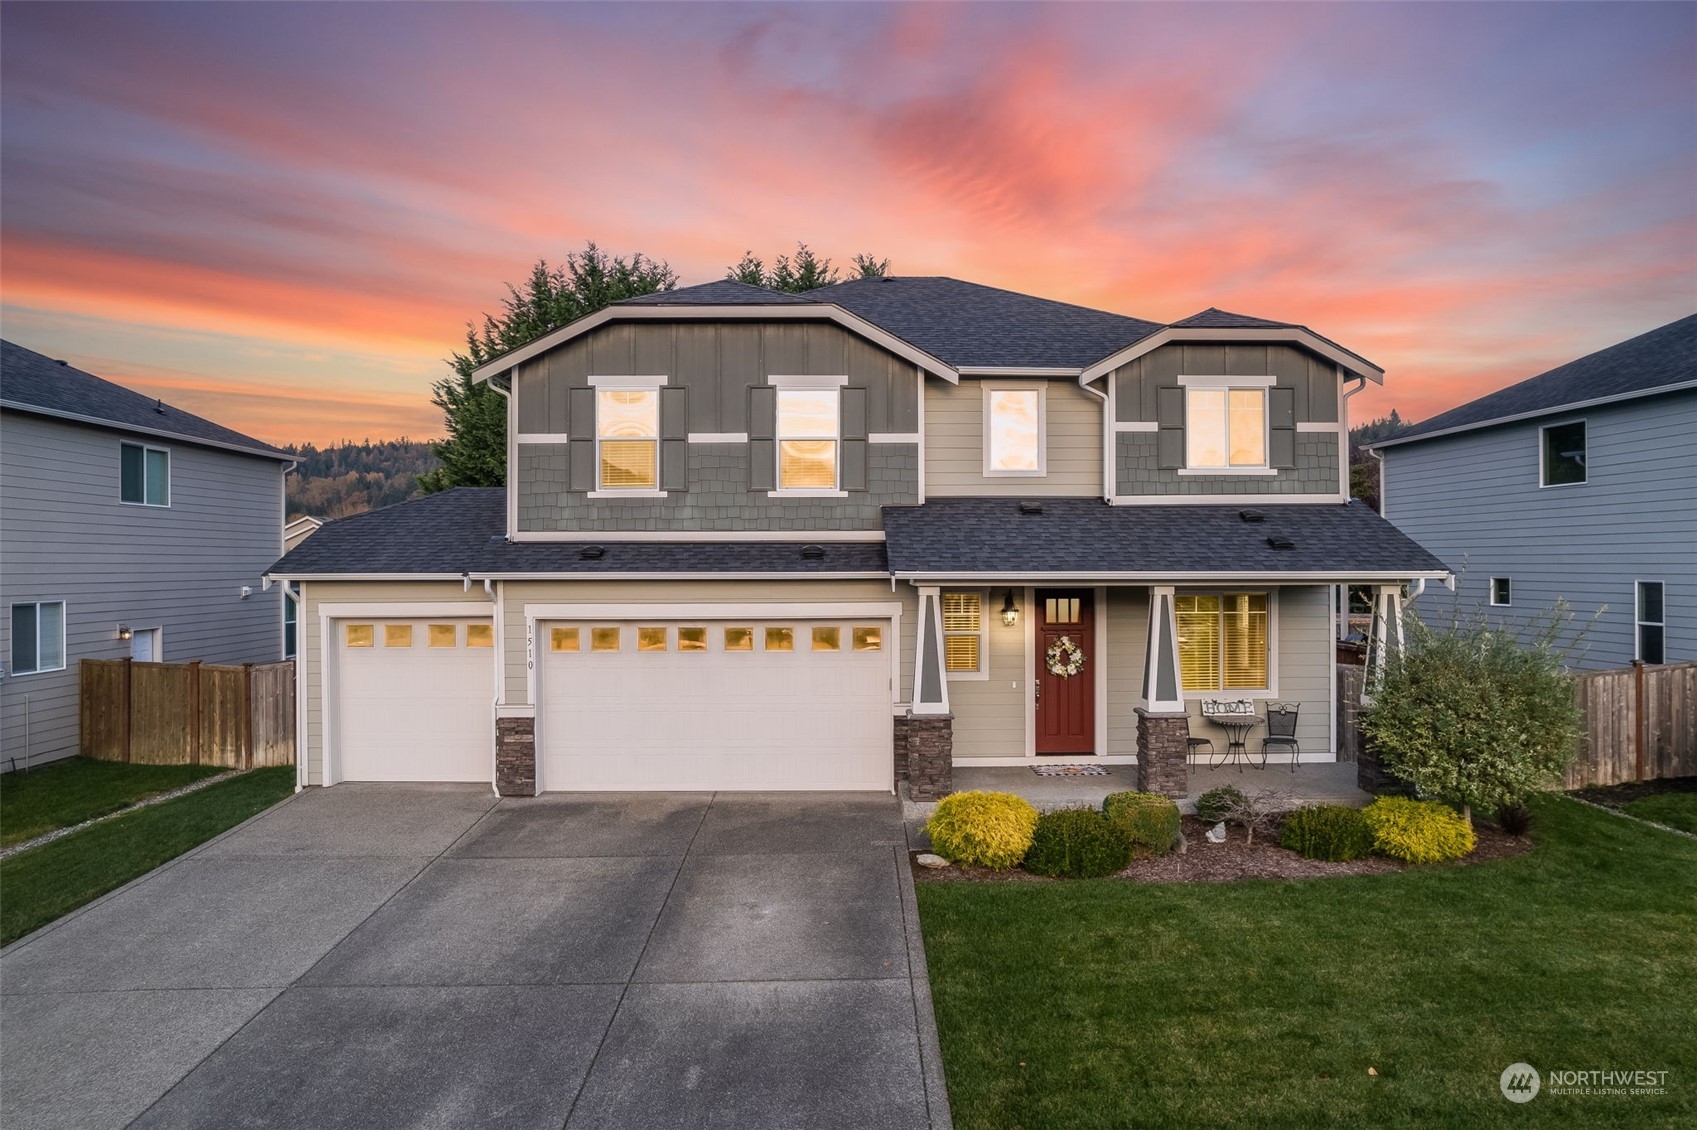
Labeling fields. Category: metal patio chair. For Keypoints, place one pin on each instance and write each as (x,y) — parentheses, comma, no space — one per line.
(1192,743)
(1281,732)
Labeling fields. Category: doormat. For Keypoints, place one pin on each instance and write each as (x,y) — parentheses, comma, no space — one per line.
(1070,770)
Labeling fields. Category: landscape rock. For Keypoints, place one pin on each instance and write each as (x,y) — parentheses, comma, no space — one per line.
(928,859)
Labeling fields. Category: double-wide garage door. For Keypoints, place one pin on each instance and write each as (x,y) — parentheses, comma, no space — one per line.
(714,704)
(414,700)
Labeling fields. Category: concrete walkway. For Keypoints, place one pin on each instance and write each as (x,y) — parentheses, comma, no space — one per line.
(371,956)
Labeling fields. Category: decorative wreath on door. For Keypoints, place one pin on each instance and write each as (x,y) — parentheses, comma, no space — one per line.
(1064,658)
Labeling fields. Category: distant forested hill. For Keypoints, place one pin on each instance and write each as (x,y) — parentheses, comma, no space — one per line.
(349,478)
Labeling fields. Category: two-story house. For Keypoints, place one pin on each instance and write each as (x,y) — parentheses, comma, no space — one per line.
(128,527)
(853,537)
(1579,484)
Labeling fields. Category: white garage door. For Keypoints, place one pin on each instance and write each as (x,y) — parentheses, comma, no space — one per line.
(751,704)
(413,700)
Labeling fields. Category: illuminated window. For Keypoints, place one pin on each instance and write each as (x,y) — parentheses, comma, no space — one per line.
(397,635)
(566,639)
(1222,640)
(868,639)
(603,639)
(1060,610)
(1225,427)
(780,639)
(692,639)
(807,439)
(444,635)
(480,635)
(827,639)
(359,635)
(1013,430)
(651,639)
(963,631)
(627,432)
(739,639)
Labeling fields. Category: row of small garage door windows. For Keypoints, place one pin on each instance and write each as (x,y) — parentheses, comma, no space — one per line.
(868,637)
(436,635)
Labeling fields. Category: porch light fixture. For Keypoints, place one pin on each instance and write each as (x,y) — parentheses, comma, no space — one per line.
(1010,611)
(124,632)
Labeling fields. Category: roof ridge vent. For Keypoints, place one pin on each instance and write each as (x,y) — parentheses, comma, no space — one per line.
(813,552)
(1251,516)
(1280,543)
(1030,506)
(592,552)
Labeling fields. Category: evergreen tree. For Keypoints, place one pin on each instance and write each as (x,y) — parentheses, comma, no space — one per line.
(805,271)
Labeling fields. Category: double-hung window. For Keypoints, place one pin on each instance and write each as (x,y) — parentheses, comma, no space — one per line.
(808,438)
(627,438)
(144,475)
(1562,454)
(963,633)
(1651,626)
(1225,428)
(1223,640)
(1013,429)
(38,637)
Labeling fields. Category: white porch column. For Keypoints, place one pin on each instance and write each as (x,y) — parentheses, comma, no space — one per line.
(930,681)
(1385,637)
(1163,692)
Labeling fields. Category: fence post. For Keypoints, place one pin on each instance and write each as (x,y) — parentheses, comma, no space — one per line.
(194,712)
(247,716)
(1638,718)
(128,690)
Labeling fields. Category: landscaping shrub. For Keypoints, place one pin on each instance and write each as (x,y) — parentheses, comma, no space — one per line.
(1514,819)
(1419,831)
(986,829)
(1328,831)
(1215,805)
(1146,820)
(1077,843)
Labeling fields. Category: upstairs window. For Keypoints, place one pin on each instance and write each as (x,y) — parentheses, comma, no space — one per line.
(1225,427)
(627,438)
(1564,454)
(144,475)
(1222,640)
(808,421)
(1652,622)
(38,637)
(1013,430)
(1502,591)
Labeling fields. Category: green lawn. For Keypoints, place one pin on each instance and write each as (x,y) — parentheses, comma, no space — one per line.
(44,883)
(1108,1003)
(1676,810)
(37,801)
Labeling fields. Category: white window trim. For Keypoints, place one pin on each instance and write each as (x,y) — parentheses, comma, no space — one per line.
(718,437)
(64,641)
(983,672)
(1247,384)
(644,384)
(1041,388)
(807,492)
(1491,593)
(145,449)
(543,437)
(1271,690)
(1637,643)
(1542,467)
(807,384)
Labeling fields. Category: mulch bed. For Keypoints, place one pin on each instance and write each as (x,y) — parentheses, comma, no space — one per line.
(1234,860)
(1614,796)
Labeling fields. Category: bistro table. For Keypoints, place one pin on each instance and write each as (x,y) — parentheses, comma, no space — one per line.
(1237,725)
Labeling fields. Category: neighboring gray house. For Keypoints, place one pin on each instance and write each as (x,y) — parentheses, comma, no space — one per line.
(1579,484)
(127,527)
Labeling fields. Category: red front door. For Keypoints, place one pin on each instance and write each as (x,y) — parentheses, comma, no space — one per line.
(1066,704)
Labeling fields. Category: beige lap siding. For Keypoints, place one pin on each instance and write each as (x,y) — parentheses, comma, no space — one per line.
(311,651)
(954,443)
(990,713)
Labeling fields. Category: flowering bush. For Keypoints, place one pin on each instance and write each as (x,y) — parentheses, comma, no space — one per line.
(1419,831)
(987,829)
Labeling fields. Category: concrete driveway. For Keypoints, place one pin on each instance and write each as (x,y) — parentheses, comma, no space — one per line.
(391,955)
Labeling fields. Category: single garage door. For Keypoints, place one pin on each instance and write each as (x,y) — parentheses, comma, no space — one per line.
(748,705)
(413,700)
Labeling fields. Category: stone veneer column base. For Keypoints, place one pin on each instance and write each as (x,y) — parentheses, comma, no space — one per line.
(1163,753)
(901,736)
(930,756)
(515,756)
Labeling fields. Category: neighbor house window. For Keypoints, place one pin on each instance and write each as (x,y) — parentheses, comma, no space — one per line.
(291,620)
(38,637)
(627,438)
(1013,430)
(1564,454)
(807,438)
(144,475)
(963,632)
(1222,640)
(1652,622)
(1502,592)
(1225,427)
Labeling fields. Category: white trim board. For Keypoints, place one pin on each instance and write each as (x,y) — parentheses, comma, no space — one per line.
(1169,577)
(836,610)
(799,537)
(892,437)
(718,437)
(1297,334)
(1221,499)
(407,610)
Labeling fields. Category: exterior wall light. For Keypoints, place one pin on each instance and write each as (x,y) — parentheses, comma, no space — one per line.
(1010,610)
(124,632)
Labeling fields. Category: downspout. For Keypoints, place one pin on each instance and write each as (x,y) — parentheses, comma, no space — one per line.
(299,601)
(1109,486)
(1343,440)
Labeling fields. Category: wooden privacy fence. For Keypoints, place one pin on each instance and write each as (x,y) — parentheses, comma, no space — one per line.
(188,713)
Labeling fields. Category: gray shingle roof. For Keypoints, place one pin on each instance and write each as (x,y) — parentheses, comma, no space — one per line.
(1658,359)
(1086,535)
(31,380)
(722,292)
(1214,318)
(965,324)
(462,531)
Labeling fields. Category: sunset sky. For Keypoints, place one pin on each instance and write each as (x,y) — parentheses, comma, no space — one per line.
(281,216)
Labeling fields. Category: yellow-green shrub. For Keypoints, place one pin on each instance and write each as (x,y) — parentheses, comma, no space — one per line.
(987,829)
(1419,831)
(1147,820)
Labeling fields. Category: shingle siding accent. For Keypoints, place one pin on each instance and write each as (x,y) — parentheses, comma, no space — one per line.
(1137,472)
